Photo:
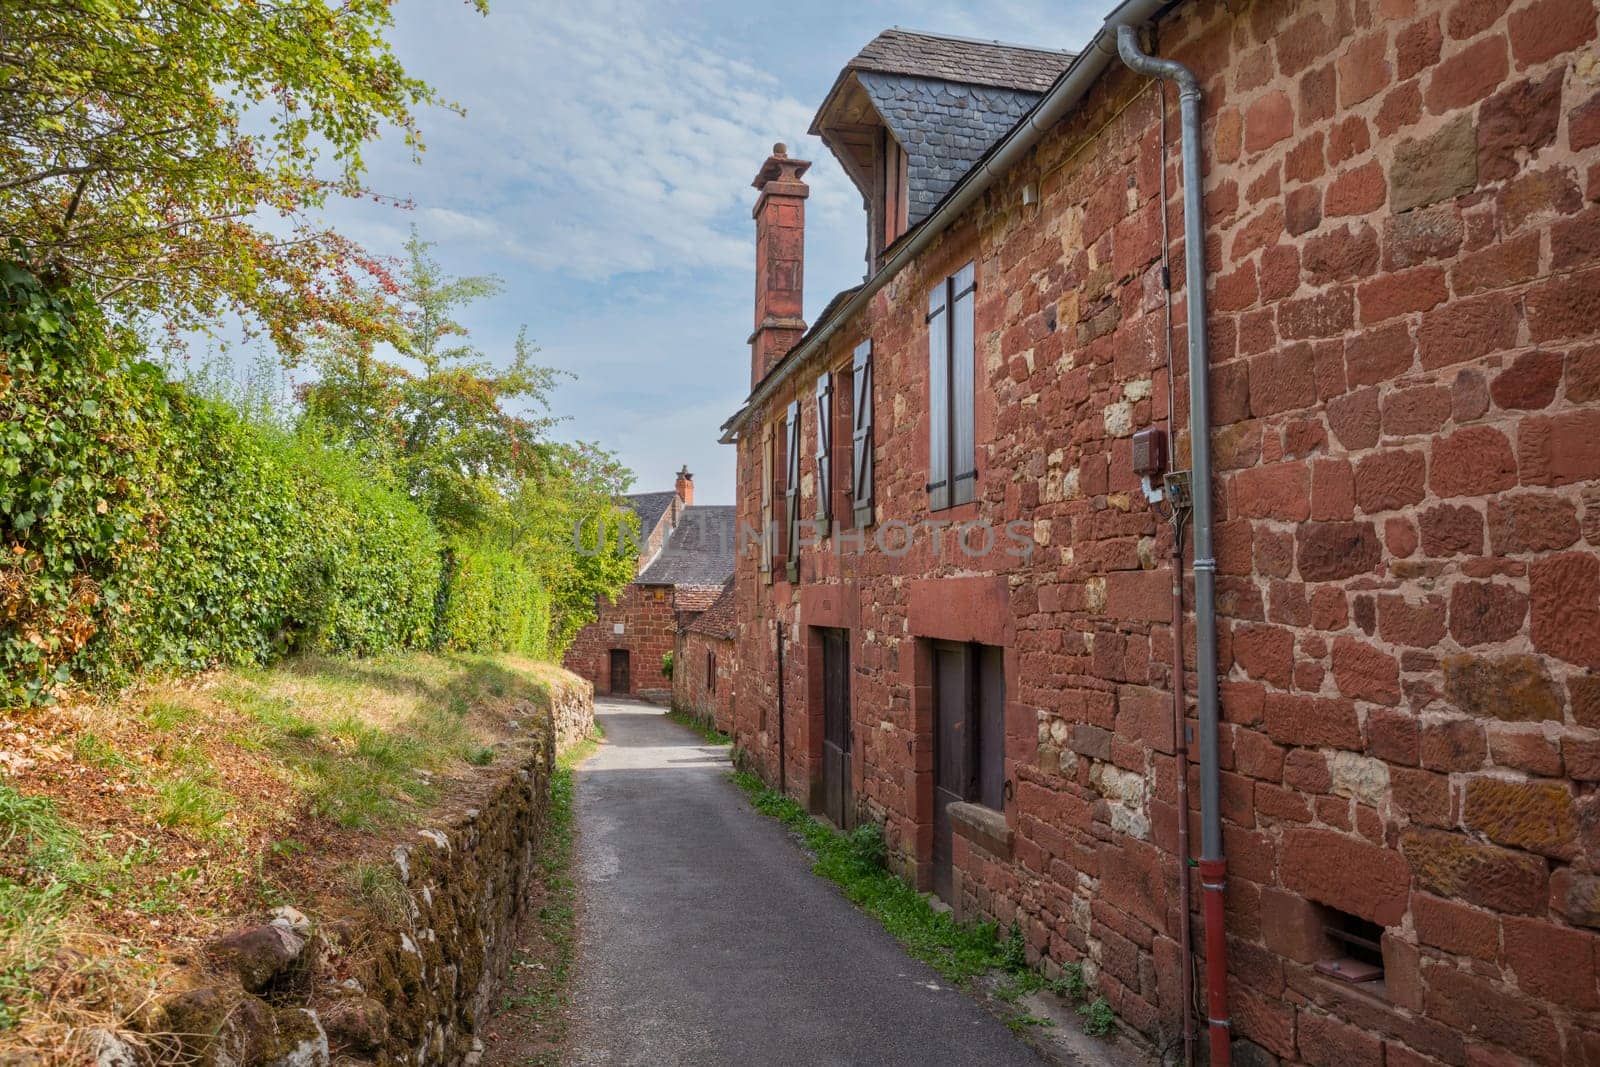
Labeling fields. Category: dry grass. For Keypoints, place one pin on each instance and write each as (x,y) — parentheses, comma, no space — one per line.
(134,830)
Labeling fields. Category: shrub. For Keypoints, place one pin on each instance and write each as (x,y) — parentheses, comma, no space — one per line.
(493,601)
(80,425)
(144,527)
(273,543)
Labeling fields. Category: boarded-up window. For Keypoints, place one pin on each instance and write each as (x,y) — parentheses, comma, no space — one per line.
(952,445)
(971,695)
(861,435)
(824,455)
(791,492)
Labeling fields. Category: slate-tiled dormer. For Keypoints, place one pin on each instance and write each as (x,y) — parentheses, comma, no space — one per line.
(910,114)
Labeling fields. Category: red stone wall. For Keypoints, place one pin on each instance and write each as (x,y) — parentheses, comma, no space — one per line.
(1402,237)
(649,631)
(709,701)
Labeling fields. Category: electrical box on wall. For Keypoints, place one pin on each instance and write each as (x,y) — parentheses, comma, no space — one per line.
(1150,452)
(1150,460)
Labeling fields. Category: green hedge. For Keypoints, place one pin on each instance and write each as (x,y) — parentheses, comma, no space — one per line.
(80,443)
(143,527)
(493,602)
(273,543)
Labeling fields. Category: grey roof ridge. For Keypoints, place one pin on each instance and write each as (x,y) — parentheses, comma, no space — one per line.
(985,40)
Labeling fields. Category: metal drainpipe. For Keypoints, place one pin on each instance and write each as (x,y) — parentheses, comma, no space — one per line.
(1213,864)
(783,763)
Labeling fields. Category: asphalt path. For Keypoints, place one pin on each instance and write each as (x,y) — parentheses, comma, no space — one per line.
(706,939)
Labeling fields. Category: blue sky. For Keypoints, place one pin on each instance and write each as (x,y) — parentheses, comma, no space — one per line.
(603,172)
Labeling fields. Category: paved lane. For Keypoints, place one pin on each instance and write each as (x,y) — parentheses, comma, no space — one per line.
(706,939)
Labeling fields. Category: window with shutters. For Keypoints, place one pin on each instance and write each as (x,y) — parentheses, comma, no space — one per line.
(791,493)
(768,530)
(711,671)
(861,451)
(952,447)
(824,456)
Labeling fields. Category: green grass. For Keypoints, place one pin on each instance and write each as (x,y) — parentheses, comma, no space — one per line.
(961,952)
(46,852)
(380,886)
(958,951)
(1098,1018)
(710,733)
(539,985)
(94,750)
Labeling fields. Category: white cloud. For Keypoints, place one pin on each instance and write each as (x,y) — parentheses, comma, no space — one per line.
(599,140)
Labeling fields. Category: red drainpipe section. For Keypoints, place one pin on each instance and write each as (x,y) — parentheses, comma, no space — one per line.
(1213,880)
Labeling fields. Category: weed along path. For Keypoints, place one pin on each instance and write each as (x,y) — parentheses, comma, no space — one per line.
(706,939)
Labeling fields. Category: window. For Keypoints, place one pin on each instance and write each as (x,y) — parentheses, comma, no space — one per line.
(768,532)
(711,671)
(824,454)
(861,435)
(791,493)
(894,174)
(952,449)
(970,741)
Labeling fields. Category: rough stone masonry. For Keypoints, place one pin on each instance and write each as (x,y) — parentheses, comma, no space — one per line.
(1403,247)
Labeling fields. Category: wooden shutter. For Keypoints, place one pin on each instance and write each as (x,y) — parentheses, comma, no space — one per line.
(861,435)
(791,492)
(767,532)
(963,405)
(825,453)
(938,399)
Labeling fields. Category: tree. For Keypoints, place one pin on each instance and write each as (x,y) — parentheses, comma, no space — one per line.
(571,525)
(171,155)
(439,414)
(446,427)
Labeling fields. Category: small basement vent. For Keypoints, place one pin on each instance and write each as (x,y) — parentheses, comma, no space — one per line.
(1356,947)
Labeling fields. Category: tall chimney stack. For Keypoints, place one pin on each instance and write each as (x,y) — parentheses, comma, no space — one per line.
(685,486)
(780,215)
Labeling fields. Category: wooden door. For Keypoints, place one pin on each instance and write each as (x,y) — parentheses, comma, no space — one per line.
(837,791)
(952,771)
(620,681)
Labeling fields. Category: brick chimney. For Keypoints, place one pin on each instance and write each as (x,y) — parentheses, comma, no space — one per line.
(685,486)
(780,215)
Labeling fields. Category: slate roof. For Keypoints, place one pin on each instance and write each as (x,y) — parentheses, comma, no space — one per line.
(943,127)
(719,620)
(961,59)
(649,507)
(699,552)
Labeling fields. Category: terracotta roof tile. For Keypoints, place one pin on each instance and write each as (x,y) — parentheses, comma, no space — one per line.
(720,619)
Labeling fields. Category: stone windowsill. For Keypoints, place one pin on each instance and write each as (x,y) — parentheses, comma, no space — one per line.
(984,827)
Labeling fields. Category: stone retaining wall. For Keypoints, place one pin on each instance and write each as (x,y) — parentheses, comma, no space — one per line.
(411,984)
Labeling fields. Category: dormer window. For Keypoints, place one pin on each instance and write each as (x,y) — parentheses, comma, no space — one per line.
(910,115)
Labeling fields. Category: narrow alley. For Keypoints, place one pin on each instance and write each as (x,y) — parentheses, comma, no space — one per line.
(707,940)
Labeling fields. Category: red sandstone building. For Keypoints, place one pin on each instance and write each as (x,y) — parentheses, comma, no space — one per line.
(703,672)
(685,559)
(963,628)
